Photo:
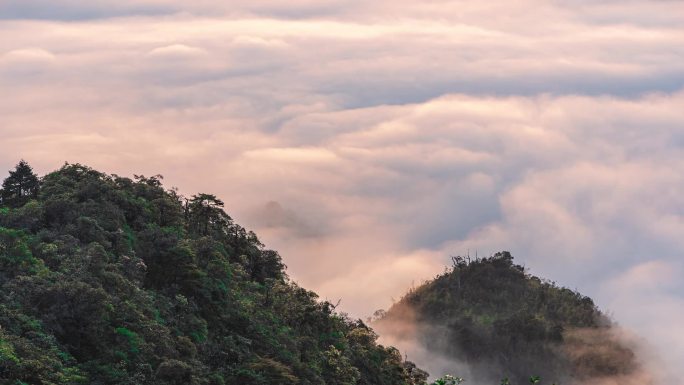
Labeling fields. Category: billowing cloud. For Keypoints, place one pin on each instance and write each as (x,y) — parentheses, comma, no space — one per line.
(368,141)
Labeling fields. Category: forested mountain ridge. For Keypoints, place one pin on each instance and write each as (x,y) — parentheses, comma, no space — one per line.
(111,280)
(501,322)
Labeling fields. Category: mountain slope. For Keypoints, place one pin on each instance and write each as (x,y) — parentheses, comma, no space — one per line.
(111,280)
(499,321)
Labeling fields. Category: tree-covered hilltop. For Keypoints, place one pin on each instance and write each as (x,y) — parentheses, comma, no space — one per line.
(111,280)
(503,322)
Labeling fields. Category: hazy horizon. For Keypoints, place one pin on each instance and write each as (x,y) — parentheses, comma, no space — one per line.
(368,143)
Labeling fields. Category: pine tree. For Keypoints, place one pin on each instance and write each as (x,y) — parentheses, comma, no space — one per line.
(20,187)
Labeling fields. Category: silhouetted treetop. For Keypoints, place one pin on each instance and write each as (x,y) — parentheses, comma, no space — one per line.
(20,186)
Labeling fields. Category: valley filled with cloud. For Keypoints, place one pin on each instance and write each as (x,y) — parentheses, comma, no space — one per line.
(369,142)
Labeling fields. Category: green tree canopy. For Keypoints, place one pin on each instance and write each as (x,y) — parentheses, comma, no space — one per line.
(107,280)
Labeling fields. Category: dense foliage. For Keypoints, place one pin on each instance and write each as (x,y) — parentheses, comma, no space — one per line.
(111,280)
(501,320)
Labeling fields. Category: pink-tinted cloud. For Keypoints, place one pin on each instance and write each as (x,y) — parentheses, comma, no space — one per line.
(368,141)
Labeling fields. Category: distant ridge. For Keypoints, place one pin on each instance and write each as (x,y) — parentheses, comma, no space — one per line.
(493,319)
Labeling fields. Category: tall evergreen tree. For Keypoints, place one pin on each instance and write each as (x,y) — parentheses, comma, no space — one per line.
(21,186)
(205,212)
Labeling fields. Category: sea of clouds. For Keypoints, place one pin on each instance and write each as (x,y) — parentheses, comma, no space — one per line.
(369,141)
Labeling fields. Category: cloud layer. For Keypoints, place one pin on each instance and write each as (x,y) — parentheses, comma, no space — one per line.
(368,141)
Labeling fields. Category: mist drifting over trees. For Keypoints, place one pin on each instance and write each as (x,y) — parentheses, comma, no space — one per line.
(489,319)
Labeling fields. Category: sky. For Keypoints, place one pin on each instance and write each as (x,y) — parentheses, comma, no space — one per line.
(368,142)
